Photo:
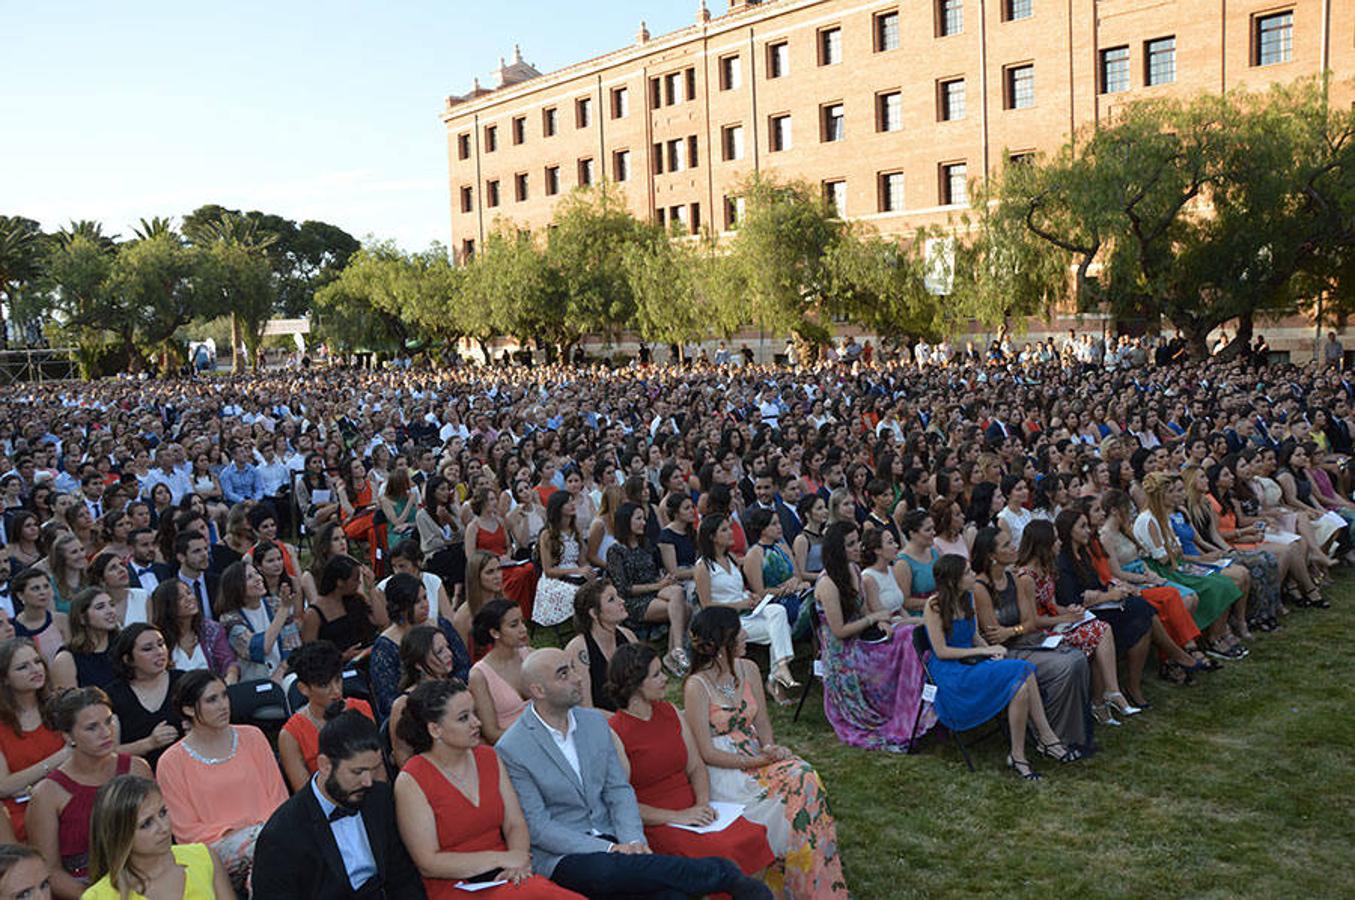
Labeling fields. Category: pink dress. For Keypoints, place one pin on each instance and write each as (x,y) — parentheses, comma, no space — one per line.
(508,703)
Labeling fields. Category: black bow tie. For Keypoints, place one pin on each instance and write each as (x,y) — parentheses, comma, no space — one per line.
(141,571)
(339,813)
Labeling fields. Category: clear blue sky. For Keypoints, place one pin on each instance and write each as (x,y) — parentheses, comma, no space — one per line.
(307,109)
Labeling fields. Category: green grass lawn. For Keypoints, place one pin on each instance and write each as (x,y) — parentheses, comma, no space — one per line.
(1241,785)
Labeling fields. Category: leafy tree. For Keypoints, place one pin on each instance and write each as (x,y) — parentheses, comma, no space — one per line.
(383,286)
(77,267)
(507,288)
(679,290)
(236,279)
(153,285)
(779,256)
(881,284)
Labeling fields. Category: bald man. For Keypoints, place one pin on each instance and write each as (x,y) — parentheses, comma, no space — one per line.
(580,809)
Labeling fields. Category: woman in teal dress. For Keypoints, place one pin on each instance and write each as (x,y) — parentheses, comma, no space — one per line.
(400,504)
(974,681)
(919,583)
(768,569)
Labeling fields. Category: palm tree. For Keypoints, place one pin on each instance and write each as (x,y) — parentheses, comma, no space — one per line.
(154,227)
(244,285)
(20,255)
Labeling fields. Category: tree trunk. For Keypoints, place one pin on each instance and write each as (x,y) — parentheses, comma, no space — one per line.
(237,363)
(1241,343)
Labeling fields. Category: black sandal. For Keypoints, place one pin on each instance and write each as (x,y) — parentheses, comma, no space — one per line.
(1023,769)
(1059,752)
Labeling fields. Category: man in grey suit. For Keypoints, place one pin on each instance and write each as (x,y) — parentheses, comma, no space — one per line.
(580,809)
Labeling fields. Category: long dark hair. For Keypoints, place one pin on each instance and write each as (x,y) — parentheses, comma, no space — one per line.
(715,632)
(553,535)
(425,705)
(952,600)
(839,569)
(980,510)
(621,529)
(1080,559)
(414,649)
(1037,546)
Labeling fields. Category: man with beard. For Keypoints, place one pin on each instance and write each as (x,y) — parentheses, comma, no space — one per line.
(336,837)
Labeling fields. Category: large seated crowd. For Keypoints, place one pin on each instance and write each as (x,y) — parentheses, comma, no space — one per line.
(274,635)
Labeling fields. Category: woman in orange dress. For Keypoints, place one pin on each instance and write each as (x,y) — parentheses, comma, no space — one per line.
(29,747)
(671,783)
(455,807)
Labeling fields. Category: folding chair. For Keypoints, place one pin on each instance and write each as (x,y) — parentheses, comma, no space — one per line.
(922,645)
(816,669)
(260,702)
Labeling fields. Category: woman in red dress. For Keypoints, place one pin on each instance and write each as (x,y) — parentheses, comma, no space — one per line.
(487,532)
(664,767)
(456,809)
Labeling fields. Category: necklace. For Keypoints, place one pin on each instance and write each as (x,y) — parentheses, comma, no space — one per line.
(727,691)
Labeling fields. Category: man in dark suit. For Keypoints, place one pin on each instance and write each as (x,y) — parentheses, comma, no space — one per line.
(190,549)
(336,837)
(786,502)
(143,571)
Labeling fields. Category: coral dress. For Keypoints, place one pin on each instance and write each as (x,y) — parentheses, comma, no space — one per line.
(787,797)
(658,772)
(307,735)
(465,827)
(22,750)
(519,581)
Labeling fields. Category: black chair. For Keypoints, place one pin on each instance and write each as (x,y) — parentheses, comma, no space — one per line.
(356,683)
(816,662)
(259,702)
(923,646)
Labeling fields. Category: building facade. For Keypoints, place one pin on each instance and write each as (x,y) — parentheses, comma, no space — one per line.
(894,107)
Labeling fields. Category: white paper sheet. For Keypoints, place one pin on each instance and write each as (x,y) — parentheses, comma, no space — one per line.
(473,886)
(725,814)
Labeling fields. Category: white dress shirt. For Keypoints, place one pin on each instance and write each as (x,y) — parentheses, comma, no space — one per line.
(350,833)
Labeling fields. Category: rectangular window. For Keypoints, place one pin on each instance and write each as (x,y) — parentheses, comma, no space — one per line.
(621,165)
(733,212)
(678,216)
(696,218)
(1020,86)
(655,93)
(672,88)
(887,31)
(830,46)
(951,100)
(519,130)
(891,192)
(949,17)
(1273,38)
(620,102)
(834,123)
(691,85)
(677,155)
(1114,70)
(731,72)
(835,197)
(520,186)
(585,172)
(463,146)
(732,141)
(1159,61)
(552,180)
(492,193)
(491,138)
(661,215)
(467,199)
(467,250)
(780,133)
(889,111)
(1022,158)
(583,112)
(954,184)
(1018,9)
(658,159)
(778,60)
(693,153)
(550,121)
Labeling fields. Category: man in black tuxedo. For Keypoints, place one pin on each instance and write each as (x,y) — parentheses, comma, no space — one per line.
(143,571)
(336,838)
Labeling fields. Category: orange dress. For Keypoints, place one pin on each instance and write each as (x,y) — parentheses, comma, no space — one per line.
(464,827)
(22,751)
(1176,619)
(307,735)
(658,772)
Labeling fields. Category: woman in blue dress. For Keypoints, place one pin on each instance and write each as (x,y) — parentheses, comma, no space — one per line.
(917,581)
(974,680)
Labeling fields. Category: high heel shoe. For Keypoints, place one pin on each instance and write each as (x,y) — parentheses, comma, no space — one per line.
(1023,769)
(1059,751)
(779,692)
(1121,703)
(1104,716)
(781,675)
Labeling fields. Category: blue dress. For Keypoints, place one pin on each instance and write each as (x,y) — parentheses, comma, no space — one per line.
(924,581)
(969,695)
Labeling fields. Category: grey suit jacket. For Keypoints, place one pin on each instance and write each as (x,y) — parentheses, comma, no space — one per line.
(561,810)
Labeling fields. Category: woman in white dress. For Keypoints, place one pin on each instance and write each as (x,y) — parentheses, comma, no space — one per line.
(1014,517)
(880,582)
(720,583)
(562,568)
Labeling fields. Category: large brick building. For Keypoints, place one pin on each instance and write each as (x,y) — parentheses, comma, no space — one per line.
(893,106)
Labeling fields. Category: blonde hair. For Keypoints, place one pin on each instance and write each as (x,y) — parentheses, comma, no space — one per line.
(1196,504)
(1155,487)
(475,597)
(112,830)
(56,557)
(612,498)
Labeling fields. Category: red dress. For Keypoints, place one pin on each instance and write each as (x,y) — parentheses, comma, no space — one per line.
(307,735)
(519,582)
(1085,637)
(658,772)
(73,824)
(1164,598)
(466,828)
(22,751)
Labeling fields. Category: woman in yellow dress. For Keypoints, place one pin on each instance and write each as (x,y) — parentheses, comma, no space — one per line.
(132,851)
